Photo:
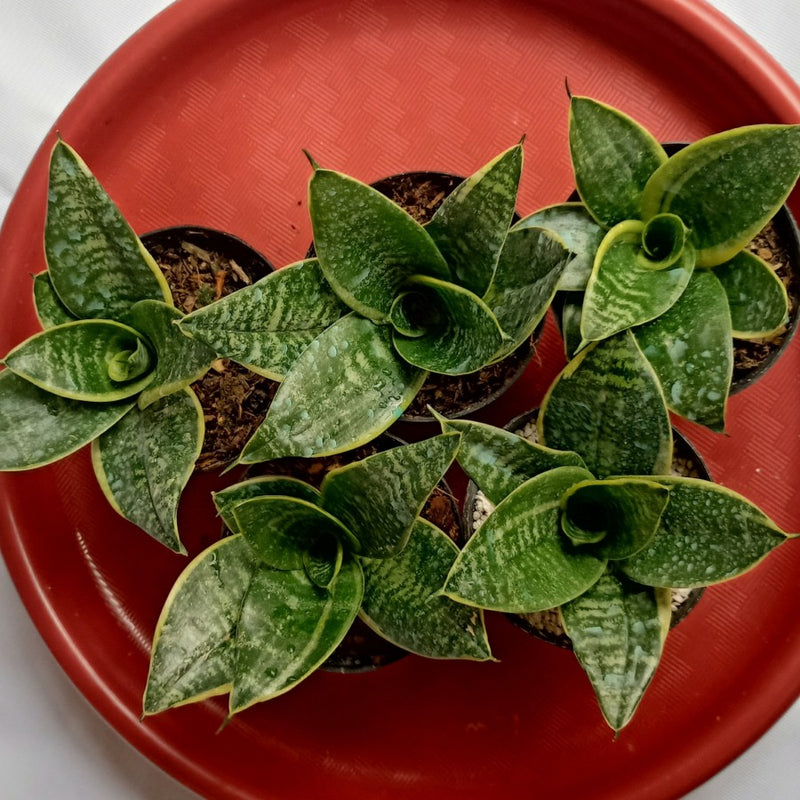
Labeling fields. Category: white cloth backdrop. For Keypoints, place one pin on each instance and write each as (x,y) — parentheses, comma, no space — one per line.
(52,742)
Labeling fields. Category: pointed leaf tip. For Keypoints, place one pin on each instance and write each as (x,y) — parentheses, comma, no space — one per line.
(311,160)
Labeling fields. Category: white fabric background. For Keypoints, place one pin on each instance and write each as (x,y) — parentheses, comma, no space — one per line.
(52,742)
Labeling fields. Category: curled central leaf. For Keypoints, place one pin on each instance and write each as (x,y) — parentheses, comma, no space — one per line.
(416,313)
(663,240)
(585,518)
(127,365)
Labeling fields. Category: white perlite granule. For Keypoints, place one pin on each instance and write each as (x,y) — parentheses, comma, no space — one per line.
(549,621)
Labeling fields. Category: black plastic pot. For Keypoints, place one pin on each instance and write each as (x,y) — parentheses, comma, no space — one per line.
(363,650)
(234,399)
(545,625)
(453,396)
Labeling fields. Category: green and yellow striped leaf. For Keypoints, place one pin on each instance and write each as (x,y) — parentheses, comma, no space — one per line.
(500,461)
(97,264)
(227,499)
(612,157)
(691,350)
(707,534)
(367,245)
(288,627)
(618,630)
(581,235)
(49,308)
(519,560)
(608,406)
(179,360)
(625,289)
(403,600)
(344,389)
(726,187)
(464,335)
(524,283)
(194,644)
(144,462)
(97,361)
(470,226)
(37,427)
(267,325)
(378,498)
(757,298)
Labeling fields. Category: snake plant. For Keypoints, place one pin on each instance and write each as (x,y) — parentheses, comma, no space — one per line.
(260,610)
(659,246)
(353,333)
(598,528)
(110,367)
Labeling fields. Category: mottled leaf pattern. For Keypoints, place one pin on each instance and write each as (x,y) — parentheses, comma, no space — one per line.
(519,561)
(530,267)
(707,534)
(612,157)
(288,627)
(346,387)
(500,461)
(470,226)
(37,427)
(617,630)
(581,235)
(757,298)
(49,308)
(267,325)
(97,264)
(607,405)
(379,497)
(194,654)
(179,360)
(145,460)
(367,245)
(465,337)
(402,600)
(75,360)
(726,187)
(691,350)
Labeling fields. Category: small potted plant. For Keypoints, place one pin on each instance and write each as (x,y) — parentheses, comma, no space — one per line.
(390,300)
(591,523)
(110,367)
(660,245)
(259,611)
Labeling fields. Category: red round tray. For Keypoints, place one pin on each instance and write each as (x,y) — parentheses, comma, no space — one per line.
(201,118)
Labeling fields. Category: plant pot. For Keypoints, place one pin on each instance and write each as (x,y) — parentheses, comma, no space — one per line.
(363,650)
(420,194)
(546,624)
(201,265)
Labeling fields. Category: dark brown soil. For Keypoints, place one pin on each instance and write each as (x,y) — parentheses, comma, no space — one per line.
(362,649)
(202,266)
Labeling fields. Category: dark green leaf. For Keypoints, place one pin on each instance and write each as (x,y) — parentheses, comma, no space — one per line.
(379,497)
(98,266)
(707,534)
(402,600)
(367,245)
(757,298)
(726,187)
(37,427)
(144,462)
(617,630)
(78,359)
(519,561)
(267,325)
(612,157)
(464,337)
(49,308)
(608,406)
(691,350)
(346,387)
(323,560)
(470,226)
(500,461)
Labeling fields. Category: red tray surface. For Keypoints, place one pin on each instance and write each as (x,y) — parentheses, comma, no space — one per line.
(201,118)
